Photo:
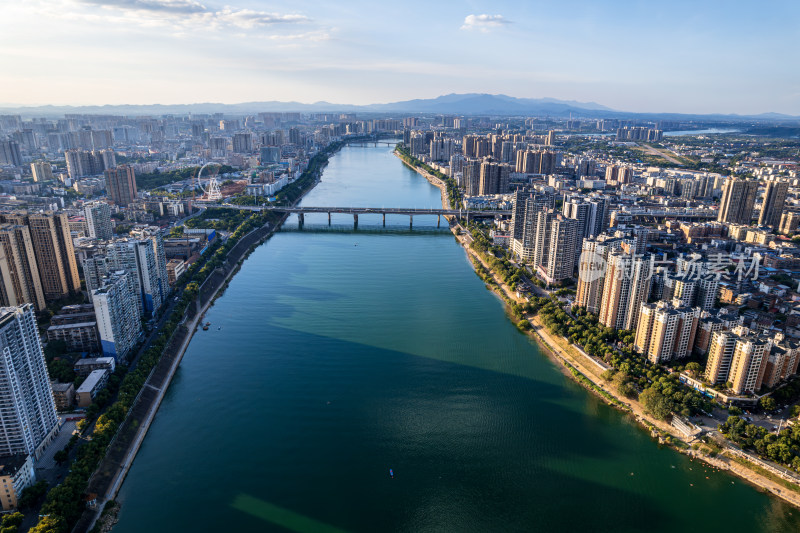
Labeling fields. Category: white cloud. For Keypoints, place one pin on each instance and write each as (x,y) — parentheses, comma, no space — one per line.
(484,22)
(186,14)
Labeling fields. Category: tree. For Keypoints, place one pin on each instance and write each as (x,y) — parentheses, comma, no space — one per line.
(656,403)
(768,403)
(693,369)
(795,411)
(734,411)
(61,456)
(32,494)
(11,522)
(49,524)
(55,348)
(628,389)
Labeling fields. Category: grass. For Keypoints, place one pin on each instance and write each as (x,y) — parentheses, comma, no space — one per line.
(766,473)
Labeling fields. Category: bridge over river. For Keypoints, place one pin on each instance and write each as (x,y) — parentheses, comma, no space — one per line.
(355,211)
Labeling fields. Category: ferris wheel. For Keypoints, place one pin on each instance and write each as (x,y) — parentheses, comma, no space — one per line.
(211,189)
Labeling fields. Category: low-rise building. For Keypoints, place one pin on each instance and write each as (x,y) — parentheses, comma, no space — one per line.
(64,395)
(79,337)
(16,474)
(93,384)
(84,367)
(175,267)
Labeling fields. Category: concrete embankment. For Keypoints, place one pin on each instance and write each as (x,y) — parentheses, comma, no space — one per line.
(433,180)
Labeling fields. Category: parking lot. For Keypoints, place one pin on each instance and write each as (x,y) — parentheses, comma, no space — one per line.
(46,465)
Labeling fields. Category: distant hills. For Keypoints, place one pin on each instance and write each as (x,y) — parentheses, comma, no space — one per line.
(452,104)
(489,104)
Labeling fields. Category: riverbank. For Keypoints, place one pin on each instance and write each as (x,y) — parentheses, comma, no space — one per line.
(587,372)
(146,405)
(433,180)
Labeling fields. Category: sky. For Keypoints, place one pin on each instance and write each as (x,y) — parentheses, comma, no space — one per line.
(703,56)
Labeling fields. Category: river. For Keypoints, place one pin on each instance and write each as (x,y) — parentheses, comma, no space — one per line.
(336,355)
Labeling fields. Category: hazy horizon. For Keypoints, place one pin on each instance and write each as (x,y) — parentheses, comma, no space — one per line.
(685,57)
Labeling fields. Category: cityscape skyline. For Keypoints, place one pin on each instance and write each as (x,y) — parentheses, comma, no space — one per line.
(629,56)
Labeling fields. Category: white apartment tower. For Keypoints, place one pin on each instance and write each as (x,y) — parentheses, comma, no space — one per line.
(117,311)
(98,220)
(28,420)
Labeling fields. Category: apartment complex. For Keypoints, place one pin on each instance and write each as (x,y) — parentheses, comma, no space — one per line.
(666,331)
(738,199)
(20,281)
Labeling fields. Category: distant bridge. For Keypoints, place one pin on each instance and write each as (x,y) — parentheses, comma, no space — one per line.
(371,143)
(689,213)
(355,211)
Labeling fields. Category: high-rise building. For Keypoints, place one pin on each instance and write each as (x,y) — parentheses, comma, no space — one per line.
(84,163)
(773,204)
(121,184)
(95,268)
(666,331)
(749,363)
(98,220)
(680,287)
(739,358)
(618,174)
(42,171)
(575,208)
(143,259)
(270,154)
(441,149)
(720,354)
(707,290)
(243,143)
(592,271)
(19,273)
(52,246)
(493,178)
(782,361)
(155,236)
(790,220)
(472,177)
(626,286)
(524,223)
(109,158)
(116,309)
(561,252)
(10,154)
(738,199)
(28,420)
(708,325)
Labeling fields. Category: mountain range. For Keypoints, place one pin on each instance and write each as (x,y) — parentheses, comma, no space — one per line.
(455,104)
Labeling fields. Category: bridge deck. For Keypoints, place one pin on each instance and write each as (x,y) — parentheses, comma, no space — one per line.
(367,210)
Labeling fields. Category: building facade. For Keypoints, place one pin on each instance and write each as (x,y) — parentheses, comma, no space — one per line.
(27,409)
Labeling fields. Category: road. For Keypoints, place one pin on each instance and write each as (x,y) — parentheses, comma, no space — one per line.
(661,153)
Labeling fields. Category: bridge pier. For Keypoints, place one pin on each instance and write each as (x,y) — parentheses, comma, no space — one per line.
(384,219)
(329,218)
(410,221)
(300,219)
(355,220)
(438,220)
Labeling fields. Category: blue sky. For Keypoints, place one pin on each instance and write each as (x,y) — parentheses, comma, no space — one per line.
(678,56)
